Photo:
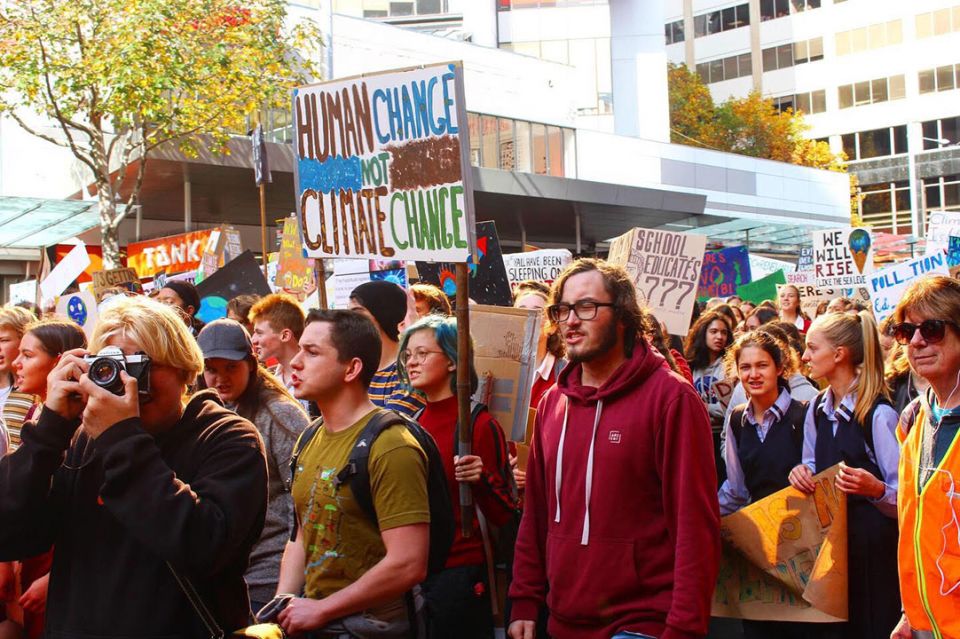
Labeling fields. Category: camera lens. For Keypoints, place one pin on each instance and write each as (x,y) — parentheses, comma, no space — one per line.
(104,372)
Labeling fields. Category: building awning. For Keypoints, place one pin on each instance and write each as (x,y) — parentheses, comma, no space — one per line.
(28,224)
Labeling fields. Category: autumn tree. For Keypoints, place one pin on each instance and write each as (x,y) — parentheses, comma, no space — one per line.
(749,125)
(119,78)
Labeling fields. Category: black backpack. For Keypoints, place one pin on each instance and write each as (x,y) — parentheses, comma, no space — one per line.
(357,473)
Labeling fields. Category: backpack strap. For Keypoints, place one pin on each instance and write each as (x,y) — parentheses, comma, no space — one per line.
(868,426)
(302,442)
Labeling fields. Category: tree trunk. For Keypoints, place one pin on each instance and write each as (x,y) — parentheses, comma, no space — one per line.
(109,231)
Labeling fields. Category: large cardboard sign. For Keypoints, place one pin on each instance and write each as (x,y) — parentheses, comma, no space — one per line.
(240,276)
(940,226)
(505,353)
(889,284)
(294,271)
(842,257)
(762,289)
(488,276)
(724,271)
(665,267)
(382,166)
(544,265)
(125,278)
(785,557)
(171,254)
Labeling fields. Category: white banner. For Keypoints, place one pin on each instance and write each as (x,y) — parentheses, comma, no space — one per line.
(889,284)
(842,257)
(542,266)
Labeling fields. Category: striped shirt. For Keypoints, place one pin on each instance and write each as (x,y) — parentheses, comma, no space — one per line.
(15,412)
(386,391)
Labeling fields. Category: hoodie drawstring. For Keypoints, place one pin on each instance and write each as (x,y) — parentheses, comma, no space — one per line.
(585,536)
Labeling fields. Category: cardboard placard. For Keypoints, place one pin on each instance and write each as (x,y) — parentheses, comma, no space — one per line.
(785,557)
(842,257)
(382,167)
(125,278)
(888,285)
(23,292)
(953,255)
(80,308)
(940,226)
(540,266)
(723,271)
(523,456)
(762,266)
(65,272)
(171,254)
(665,267)
(764,288)
(488,276)
(295,273)
(242,275)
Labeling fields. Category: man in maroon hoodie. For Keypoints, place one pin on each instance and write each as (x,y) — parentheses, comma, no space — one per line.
(621,518)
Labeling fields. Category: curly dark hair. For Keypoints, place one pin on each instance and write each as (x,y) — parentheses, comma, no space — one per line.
(695,349)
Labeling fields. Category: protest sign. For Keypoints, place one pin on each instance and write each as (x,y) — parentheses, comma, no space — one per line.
(723,271)
(171,254)
(95,253)
(505,351)
(488,277)
(349,274)
(212,256)
(233,244)
(953,255)
(540,266)
(665,267)
(240,276)
(65,272)
(762,266)
(842,257)
(81,308)
(940,226)
(805,261)
(382,167)
(810,294)
(124,278)
(785,557)
(889,284)
(294,271)
(23,292)
(763,289)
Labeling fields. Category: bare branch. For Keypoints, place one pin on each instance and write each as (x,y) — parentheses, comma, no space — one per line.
(79,155)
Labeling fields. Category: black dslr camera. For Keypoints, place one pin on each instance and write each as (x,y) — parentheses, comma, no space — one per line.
(106,365)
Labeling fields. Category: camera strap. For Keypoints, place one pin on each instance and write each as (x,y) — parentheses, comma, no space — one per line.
(216,632)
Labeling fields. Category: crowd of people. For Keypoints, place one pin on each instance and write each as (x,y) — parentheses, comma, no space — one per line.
(170,478)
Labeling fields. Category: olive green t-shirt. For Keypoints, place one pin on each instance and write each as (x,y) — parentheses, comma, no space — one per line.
(340,540)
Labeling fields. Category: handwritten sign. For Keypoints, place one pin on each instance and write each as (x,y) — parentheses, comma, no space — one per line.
(125,278)
(172,254)
(842,257)
(541,266)
(762,289)
(723,271)
(80,308)
(940,226)
(762,266)
(380,166)
(889,284)
(294,272)
(665,267)
(785,557)
(953,255)
(805,261)
(488,276)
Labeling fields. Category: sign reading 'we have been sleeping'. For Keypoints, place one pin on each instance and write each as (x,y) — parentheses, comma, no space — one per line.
(382,166)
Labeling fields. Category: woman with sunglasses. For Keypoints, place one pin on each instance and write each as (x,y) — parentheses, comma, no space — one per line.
(458,597)
(852,423)
(929,552)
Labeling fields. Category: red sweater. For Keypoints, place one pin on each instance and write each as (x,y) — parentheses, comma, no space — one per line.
(644,556)
(491,494)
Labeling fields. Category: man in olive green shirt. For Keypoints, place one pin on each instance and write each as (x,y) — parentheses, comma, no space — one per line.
(343,562)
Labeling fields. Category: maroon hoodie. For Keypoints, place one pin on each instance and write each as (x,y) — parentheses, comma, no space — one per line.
(631,540)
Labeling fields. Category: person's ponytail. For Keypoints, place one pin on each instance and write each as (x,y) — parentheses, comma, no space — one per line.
(872,384)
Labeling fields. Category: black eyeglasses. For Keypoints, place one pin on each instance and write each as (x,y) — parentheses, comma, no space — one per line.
(585,310)
(931,330)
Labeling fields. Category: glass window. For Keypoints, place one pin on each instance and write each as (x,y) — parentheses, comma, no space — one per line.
(524,159)
(849,143)
(570,153)
(784,56)
(427,7)
(490,154)
(858,40)
(901,199)
(730,68)
(951,195)
(945,78)
(555,150)
(846,96)
(703,70)
(713,22)
(813,4)
(932,191)
(816,49)
(803,102)
(900,139)
(716,70)
(878,90)
(699,26)
(800,52)
(877,202)
(782,8)
(894,32)
(401,8)
(927,82)
(508,150)
(941,22)
(539,132)
(604,75)
(843,43)
(819,101)
(766,10)
(745,62)
(924,25)
(898,88)
(950,130)
(861,93)
(956,18)
(770,59)
(743,15)
(875,143)
(931,135)
(473,125)
(728,19)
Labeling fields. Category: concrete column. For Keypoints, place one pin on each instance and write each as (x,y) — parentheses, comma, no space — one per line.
(639,67)
(480,20)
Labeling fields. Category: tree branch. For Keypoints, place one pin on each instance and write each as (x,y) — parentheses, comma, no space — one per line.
(80,156)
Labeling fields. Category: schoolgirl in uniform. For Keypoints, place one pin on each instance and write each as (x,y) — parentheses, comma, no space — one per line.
(852,423)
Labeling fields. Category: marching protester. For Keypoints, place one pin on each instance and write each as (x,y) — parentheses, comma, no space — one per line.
(788,299)
(14,404)
(385,304)
(247,388)
(140,489)
(184,297)
(904,383)
(758,317)
(704,349)
(534,295)
(278,321)
(624,543)
(929,549)
(354,571)
(852,423)
(459,596)
(239,309)
(430,300)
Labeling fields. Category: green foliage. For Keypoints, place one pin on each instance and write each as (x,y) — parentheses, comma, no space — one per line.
(121,77)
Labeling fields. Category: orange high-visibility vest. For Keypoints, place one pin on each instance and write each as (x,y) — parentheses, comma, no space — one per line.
(929,549)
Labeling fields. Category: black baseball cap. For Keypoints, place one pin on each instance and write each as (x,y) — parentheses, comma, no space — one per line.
(225,339)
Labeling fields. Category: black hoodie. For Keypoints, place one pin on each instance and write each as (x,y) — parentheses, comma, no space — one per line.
(118,507)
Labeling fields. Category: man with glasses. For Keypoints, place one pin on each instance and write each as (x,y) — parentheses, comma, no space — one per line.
(929,550)
(621,516)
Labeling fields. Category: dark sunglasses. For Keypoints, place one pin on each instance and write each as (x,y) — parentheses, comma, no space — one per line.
(931,330)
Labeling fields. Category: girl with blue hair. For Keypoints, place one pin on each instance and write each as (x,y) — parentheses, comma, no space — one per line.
(458,597)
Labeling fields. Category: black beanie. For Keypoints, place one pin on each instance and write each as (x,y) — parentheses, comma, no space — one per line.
(386,301)
(187,292)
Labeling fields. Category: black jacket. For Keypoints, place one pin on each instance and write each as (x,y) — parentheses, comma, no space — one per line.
(118,507)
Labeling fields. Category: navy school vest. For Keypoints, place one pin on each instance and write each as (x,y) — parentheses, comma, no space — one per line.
(767,464)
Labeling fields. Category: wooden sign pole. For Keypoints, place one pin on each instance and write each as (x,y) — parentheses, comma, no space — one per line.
(463,391)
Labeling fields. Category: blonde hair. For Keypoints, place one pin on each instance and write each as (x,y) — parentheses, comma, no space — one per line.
(156,328)
(858,334)
(16,319)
